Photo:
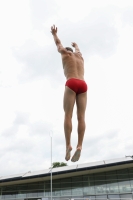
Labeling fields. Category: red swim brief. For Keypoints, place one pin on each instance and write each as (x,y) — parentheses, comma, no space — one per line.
(77,85)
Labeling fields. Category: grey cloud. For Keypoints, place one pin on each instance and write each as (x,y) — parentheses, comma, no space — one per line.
(96,35)
(39,62)
(22,146)
(10,132)
(127,16)
(34,147)
(109,135)
(40,128)
(21,118)
(41,10)
(102,146)
(129,147)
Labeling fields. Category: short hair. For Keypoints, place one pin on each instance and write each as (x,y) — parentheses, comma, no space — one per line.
(69,49)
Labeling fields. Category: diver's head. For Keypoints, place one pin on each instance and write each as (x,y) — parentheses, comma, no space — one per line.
(69,49)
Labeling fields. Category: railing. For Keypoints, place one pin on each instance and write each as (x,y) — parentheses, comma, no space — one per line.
(102,198)
(86,198)
(62,198)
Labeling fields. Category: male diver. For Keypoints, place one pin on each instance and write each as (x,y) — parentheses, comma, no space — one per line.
(75,91)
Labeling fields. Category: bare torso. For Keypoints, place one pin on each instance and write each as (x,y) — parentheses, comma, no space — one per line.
(73,65)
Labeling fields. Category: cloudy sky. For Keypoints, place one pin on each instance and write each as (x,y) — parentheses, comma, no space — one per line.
(32,80)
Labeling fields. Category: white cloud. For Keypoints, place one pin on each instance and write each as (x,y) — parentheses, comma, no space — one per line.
(15,21)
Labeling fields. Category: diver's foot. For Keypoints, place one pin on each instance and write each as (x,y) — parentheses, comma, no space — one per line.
(68,153)
(76,155)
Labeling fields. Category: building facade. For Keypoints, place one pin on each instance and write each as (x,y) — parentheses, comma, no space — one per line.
(112,179)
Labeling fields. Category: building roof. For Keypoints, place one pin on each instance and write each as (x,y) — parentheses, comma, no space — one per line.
(68,171)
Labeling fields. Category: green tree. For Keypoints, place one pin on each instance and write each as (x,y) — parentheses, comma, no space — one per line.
(59,164)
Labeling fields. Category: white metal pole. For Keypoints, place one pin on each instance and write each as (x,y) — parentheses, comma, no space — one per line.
(51,166)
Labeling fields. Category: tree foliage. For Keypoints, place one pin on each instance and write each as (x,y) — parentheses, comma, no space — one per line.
(59,164)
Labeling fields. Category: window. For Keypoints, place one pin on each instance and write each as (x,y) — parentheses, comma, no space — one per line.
(47,188)
(100,187)
(66,187)
(9,194)
(56,187)
(131,183)
(99,177)
(122,174)
(112,187)
(124,186)
(77,187)
(111,176)
(88,185)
